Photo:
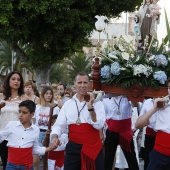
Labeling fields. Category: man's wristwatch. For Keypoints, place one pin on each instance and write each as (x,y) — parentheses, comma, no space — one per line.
(91,109)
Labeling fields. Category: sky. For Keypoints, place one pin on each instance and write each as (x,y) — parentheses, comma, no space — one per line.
(161,32)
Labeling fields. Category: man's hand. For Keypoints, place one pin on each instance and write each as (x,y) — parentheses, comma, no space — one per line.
(55,143)
(92,98)
(159,103)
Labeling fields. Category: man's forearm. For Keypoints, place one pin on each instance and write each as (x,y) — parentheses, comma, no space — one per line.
(143,120)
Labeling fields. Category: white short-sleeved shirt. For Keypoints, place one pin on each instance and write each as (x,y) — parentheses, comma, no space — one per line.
(42,116)
(20,137)
(112,104)
(146,107)
(163,120)
(69,114)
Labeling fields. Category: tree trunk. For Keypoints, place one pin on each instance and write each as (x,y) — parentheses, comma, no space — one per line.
(42,76)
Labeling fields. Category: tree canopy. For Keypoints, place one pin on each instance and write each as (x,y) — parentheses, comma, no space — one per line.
(54,29)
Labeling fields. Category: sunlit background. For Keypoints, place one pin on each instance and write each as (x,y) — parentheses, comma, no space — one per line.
(161,32)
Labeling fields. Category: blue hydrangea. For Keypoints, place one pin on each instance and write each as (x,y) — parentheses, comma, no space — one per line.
(160,76)
(115,68)
(161,60)
(105,72)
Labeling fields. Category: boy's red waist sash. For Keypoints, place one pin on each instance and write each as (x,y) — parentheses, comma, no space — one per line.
(58,156)
(89,137)
(150,131)
(162,143)
(20,156)
(123,127)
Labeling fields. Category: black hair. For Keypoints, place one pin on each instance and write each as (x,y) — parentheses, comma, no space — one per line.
(29,104)
(61,84)
(7,88)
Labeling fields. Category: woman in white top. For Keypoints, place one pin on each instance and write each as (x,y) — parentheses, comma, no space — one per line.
(13,94)
(42,116)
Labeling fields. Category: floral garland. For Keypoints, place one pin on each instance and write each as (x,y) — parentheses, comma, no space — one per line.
(124,64)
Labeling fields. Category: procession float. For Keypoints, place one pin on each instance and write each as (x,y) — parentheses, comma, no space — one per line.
(135,66)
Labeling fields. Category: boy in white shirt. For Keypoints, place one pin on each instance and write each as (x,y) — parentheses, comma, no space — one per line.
(22,138)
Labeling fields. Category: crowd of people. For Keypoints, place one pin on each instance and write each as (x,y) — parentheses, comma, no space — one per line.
(84,132)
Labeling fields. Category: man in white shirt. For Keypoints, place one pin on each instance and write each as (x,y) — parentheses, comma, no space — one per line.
(150,133)
(118,115)
(84,119)
(160,155)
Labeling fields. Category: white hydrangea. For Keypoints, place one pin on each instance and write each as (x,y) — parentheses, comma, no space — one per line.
(142,69)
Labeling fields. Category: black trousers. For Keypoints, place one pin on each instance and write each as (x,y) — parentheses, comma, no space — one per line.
(158,161)
(149,144)
(4,153)
(111,143)
(73,157)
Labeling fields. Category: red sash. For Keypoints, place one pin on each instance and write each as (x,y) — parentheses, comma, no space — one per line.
(162,143)
(20,156)
(123,127)
(150,131)
(89,137)
(58,156)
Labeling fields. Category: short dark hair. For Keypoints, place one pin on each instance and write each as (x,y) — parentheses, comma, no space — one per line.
(29,104)
(61,84)
(82,74)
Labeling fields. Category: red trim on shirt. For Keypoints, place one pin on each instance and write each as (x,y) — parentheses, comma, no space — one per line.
(162,143)
(123,127)
(58,156)
(20,156)
(89,137)
(150,131)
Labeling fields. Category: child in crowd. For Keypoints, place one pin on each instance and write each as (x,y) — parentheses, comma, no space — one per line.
(22,139)
(41,117)
(56,157)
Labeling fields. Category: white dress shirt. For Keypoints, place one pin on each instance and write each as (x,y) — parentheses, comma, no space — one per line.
(69,114)
(113,104)
(163,120)
(19,137)
(146,107)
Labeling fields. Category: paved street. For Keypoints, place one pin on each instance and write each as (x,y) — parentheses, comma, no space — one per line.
(140,165)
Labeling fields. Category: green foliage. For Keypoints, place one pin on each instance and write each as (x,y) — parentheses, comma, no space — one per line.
(6,59)
(68,69)
(59,74)
(78,62)
(54,29)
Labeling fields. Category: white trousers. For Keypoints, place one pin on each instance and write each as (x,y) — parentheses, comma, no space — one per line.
(51,165)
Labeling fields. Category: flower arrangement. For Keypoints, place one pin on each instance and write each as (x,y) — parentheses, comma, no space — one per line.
(123,63)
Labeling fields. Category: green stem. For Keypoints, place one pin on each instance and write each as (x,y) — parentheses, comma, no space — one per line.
(150,44)
(106,57)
